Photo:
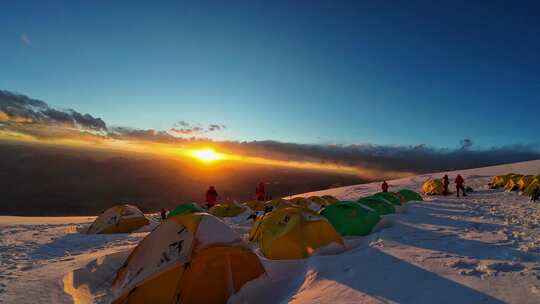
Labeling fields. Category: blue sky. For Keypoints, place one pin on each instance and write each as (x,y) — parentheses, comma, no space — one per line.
(352,72)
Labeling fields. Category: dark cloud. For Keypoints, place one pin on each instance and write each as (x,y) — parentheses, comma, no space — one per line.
(187,131)
(216,127)
(182,123)
(88,121)
(17,108)
(150,135)
(466,144)
(419,158)
(184,128)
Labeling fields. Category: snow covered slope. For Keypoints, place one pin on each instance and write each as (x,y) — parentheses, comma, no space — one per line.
(481,249)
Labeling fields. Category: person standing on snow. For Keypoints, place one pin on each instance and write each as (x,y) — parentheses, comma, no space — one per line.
(259,192)
(211,197)
(459,185)
(163,213)
(446,182)
(384,186)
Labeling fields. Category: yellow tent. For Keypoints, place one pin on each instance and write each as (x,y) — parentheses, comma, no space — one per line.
(293,233)
(512,183)
(433,187)
(525,181)
(330,199)
(227,209)
(318,200)
(500,181)
(278,203)
(254,205)
(300,201)
(118,219)
(191,258)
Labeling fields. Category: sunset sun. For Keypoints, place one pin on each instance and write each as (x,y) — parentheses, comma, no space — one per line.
(206,155)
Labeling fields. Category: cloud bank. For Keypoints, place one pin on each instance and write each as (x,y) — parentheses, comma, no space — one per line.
(23,115)
(21,109)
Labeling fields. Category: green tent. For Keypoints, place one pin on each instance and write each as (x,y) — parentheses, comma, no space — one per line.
(185,209)
(389,196)
(378,204)
(351,218)
(410,195)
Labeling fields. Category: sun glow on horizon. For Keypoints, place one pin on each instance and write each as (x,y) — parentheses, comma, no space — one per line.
(206,155)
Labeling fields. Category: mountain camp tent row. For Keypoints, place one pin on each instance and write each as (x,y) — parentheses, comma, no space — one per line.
(194,256)
(525,184)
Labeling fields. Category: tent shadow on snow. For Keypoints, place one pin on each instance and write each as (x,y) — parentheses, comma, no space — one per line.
(461,224)
(449,242)
(487,191)
(407,284)
(437,219)
(75,243)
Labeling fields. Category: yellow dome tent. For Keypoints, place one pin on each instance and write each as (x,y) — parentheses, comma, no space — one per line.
(278,203)
(300,201)
(191,258)
(433,187)
(512,184)
(318,200)
(227,209)
(525,181)
(118,219)
(500,181)
(330,199)
(293,233)
(254,205)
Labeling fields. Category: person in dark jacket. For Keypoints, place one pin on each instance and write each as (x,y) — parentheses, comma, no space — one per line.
(459,185)
(445,182)
(384,186)
(211,197)
(163,213)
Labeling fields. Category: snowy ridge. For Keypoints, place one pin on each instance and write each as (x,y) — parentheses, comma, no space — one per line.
(481,249)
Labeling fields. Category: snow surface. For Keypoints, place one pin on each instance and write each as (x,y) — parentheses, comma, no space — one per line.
(484,248)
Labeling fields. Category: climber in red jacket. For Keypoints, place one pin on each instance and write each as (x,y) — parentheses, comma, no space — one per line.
(259,192)
(459,185)
(211,197)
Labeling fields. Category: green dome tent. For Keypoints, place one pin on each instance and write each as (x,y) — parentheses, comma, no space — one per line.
(351,218)
(532,187)
(379,204)
(391,197)
(410,195)
(185,209)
